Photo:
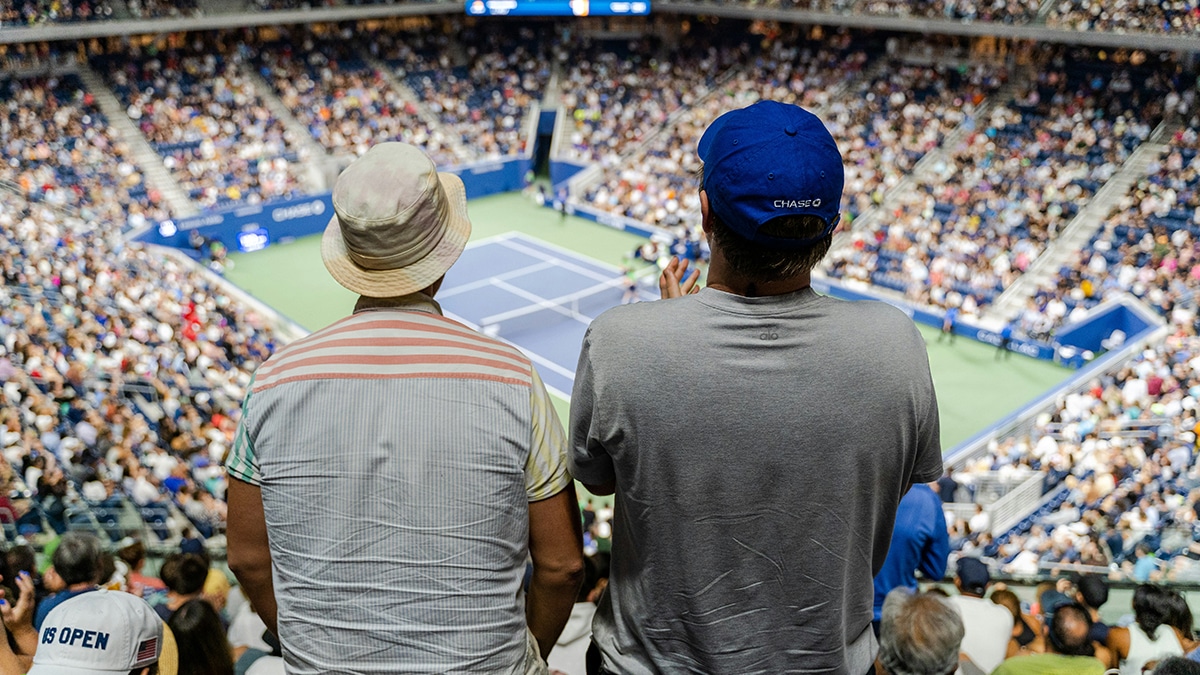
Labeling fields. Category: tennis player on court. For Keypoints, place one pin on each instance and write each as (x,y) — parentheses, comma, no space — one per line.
(757,476)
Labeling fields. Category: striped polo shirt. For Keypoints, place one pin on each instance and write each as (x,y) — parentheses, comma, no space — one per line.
(397,452)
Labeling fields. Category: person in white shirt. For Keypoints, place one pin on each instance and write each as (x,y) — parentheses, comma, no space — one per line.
(987,626)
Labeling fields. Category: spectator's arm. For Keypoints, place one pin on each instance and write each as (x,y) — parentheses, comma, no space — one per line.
(18,618)
(249,551)
(556,546)
(587,458)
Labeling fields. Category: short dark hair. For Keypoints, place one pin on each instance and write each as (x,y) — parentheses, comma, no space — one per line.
(1069,628)
(77,558)
(184,573)
(1177,665)
(133,554)
(761,263)
(1093,588)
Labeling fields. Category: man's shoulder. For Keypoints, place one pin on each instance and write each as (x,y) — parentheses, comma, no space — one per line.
(979,609)
(377,344)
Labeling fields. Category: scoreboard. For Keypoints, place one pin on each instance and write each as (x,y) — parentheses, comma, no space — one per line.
(558,7)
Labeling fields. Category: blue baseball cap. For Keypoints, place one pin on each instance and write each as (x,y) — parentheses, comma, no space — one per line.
(768,160)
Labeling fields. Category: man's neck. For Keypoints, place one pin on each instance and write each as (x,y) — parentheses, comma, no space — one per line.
(721,278)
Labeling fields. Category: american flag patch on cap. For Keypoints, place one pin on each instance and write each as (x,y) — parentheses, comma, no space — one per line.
(147,651)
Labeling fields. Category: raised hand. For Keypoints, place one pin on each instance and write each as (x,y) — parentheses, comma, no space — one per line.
(672,282)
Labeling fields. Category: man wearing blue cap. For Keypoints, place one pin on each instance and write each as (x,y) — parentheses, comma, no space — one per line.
(757,477)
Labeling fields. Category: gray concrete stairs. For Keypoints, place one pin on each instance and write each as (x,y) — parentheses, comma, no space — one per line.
(1084,225)
(315,169)
(154,172)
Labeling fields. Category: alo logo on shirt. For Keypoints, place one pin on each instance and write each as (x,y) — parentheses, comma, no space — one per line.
(88,639)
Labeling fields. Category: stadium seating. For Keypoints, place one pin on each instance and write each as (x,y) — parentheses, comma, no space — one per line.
(1146,248)
(197,106)
(977,221)
(60,151)
(124,372)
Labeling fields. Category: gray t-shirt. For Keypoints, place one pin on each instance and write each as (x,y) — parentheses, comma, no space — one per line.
(760,447)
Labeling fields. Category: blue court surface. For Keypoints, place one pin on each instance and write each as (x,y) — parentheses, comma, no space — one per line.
(536,296)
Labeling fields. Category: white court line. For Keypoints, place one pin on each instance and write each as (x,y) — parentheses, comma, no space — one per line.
(565,264)
(565,251)
(480,283)
(558,304)
(539,300)
(494,239)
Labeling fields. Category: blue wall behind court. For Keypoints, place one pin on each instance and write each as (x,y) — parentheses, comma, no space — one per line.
(253,226)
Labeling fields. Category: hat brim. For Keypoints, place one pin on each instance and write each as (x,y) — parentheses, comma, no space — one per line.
(410,278)
(55,669)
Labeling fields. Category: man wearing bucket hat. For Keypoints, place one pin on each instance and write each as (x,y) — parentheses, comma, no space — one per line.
(757,479)
(392,472)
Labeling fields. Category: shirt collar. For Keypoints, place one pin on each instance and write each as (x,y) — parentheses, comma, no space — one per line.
(413,302)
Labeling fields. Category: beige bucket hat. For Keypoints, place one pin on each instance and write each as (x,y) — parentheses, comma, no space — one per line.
(398,224)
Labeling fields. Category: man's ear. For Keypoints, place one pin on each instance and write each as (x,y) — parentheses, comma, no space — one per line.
(704,212)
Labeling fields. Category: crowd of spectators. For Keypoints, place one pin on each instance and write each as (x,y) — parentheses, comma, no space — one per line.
(59,150)
(30,12)
(123,370)
(1119,456)
(619,94)
(977,220)
(198,107)
(658,184)
(483,101)
(1147,247)
(347,105)
(1127,16)
(163,9)
(1000,11)
(888,122)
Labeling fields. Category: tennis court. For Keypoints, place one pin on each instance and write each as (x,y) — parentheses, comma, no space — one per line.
(975,388)
(535,295)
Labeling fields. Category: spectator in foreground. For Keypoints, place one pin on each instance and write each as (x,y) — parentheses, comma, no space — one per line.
(919,634)
(1093,594)
(758,467)
(1069,649)
(1027,630)
(920,543)
(75,568)
(184,575)
(442,440)
(988,625)
(203,649)
(133,555)
(109,632)
(1177,665)
(1149,638)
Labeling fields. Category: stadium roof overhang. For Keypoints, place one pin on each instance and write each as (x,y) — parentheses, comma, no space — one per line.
(77,31)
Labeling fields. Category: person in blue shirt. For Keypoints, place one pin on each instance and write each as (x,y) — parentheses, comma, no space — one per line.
(920,543)
(948,322)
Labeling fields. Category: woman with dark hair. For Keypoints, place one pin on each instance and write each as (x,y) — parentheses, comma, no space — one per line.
(203,649)
(1151,637)
(1180,618)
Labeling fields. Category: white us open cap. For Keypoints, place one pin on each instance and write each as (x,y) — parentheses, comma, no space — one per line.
(98,633)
